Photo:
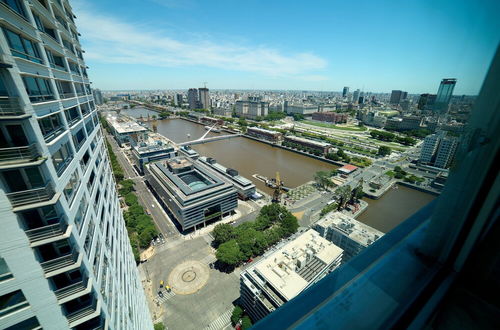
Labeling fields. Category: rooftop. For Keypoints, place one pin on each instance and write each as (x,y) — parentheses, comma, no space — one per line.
(267,131)
(300,139)
(293,266)
(357,231)
(348,168)
(122,124)
(151,142)
(227,172)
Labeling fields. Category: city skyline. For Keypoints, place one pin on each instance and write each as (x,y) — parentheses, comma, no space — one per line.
(174,45)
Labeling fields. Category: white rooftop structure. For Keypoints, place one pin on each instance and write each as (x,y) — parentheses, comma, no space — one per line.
(336,226)
(282,268)
(124,125)
(308,141)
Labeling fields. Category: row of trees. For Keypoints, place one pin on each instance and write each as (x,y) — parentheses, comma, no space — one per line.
(340,155)
(391,137)
(298,146)
(401,174)
(140,226)
(239,314)
(384,151)
(238,244)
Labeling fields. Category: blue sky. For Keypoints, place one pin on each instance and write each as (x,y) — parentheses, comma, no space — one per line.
(303,45)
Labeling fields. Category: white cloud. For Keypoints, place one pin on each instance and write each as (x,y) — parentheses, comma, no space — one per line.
(110,40)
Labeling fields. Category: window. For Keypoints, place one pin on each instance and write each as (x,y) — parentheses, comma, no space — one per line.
(51,126)
(71,187)
(64,89)
(62,21)
(56,61)
(79,138)
(85,161)
(31,323)
(45,27)
(38,89)
(12,302)
(79,89)
(80,214)
(73,67)
(89,126)
(22,47)
(72,115)
(68,45)
(61,158)
(89,237)
(15,5)
(5,273)
(85,108)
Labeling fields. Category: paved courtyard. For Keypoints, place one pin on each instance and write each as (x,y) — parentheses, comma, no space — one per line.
(200,297)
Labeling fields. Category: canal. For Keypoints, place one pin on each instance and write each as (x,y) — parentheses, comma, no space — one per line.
(250,157)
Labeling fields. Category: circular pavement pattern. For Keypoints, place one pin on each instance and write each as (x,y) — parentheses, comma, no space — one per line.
(188,277)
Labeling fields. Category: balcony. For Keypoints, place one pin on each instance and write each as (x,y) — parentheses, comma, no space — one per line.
(31,196)
(60,264)
(11,107)
(73,291)
(19,155)
(67,95)
(84,314)
(43,234)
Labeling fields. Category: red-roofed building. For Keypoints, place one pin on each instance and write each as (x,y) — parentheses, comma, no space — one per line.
(348,169)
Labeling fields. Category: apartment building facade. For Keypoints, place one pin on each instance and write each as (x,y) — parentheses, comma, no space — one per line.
(65,257)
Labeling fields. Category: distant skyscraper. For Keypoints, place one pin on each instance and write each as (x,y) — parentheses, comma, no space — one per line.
(193,98)
(179,100)
(204,98)
(345,91)
(97,96)
(397,96)
(355,96)
(444,94)
(65,257)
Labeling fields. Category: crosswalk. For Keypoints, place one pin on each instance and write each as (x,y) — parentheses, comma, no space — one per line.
(222,321)
(208,259)
(166,296)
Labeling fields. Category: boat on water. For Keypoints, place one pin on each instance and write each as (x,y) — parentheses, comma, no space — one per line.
(215,129)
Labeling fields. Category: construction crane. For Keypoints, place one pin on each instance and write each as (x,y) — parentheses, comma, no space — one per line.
(278,189)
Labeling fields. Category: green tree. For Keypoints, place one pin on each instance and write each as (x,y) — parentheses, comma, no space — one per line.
(223,232)
(246,323)
(384,151)
(164,114)
(236,316)
(126,186)
(229,253)
(344,194)
(289,224)
(246,243)
(322,178)
(130,199)
(159,326)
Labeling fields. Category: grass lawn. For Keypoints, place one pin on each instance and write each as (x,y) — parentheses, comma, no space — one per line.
(326,125)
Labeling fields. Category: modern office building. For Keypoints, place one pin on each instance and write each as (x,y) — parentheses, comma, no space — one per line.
(194,194)
(286,271)
(148,147)
(444,94)
(426,101)
(355,96)
(124,129)
(265,134)
(252,108)
(397,96)
(244,187)
(345,91)
(65,256)
(347,233)
(193,98)
(438,150)
(204,98)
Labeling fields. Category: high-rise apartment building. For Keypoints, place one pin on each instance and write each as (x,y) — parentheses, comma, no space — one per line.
(65,257)
(252,108)
(193,98)
(444,95)
(439,150)
(204,98)
(345,91)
